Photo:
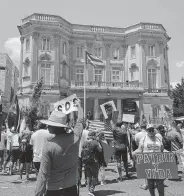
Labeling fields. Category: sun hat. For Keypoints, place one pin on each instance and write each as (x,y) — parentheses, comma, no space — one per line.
(56,119)
(150,126)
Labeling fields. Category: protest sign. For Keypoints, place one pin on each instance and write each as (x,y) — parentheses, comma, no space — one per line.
(108,151)
(156,165)
(67,105)
(129,118)
(108,108)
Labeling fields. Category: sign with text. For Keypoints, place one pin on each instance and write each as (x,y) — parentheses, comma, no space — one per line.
(108,109)
(67,105)
(156,165)
(129,118)
(129,106)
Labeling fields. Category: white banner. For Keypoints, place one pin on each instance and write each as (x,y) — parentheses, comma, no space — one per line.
(129,118)
(67,105)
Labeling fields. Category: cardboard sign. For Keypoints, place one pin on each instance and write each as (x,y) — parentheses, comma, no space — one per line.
(129,118)
(108,107)
(67,105)
(156,165)
(108,151)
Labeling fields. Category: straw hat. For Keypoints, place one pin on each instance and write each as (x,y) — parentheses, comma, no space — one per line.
(56,119)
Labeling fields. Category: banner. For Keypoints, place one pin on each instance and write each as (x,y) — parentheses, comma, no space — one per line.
(108,151)
(67,105)
(156,165)
(108,109)
(129,118)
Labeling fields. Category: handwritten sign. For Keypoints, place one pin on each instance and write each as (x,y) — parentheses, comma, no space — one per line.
(156,165)
(67,105)
(108,108)
(129,118)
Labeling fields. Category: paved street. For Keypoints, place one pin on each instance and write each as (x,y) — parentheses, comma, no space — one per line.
(9,186)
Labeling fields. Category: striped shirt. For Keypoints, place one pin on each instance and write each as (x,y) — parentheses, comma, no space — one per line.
(59,164)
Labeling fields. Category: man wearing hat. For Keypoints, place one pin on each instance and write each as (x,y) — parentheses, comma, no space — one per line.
(58,173)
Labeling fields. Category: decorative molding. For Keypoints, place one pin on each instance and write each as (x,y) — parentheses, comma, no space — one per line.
(27,61)
(142,42)
(107,45)
(70,42)
(89,44)
(160,42)
(22,40)
(152,62)
(35,35)
(45,57)
(124,46)
(56,36)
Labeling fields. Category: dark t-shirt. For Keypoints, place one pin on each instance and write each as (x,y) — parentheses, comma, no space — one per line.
(120,138)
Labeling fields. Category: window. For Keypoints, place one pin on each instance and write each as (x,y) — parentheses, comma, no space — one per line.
(133,52)
(45,44)
(132,74)
(98,52)
(45,72)
(165,53)
(152,78)
(115,75)
(64,48)
(80,52)
(27,45)
(98,75)
(80,75)
(151,51)
(115,53)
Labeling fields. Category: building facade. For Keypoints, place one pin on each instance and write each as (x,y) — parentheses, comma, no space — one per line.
(9,78)
(135,73)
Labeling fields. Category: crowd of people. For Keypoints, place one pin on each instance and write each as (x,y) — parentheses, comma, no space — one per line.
(61,149)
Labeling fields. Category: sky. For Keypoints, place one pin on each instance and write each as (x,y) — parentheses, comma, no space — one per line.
(118,13)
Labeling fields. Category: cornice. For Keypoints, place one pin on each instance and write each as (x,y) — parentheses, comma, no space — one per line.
(35,35)
(56,36)
(142,42)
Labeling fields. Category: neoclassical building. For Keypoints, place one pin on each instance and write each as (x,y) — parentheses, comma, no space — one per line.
(135,73)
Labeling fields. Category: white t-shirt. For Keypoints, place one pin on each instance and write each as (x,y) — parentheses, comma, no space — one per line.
(83,139)
(9,139)
(15,140)
(139,136)
(2,142)
(37,141)
(150,145)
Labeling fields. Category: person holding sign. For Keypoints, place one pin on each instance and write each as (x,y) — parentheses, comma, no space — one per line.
(152,143)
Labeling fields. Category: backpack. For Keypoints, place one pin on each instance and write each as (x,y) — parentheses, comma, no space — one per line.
(87,154)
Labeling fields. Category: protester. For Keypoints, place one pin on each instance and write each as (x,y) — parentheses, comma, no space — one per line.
(58,174)
(2,147)
(100,157)
(121,144)
(15,151)
(8,144)
(152,143)
(26,153)
(165,139)
(89,152)
(37,141)
(83,139)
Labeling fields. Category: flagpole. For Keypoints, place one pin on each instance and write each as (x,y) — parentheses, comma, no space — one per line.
(85,64)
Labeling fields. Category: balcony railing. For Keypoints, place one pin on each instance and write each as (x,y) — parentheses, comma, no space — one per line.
(157,91)
(105,85)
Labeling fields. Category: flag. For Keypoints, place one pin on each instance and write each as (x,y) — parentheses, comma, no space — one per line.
(93,60)
(168,112)
(174,146)
(14,115)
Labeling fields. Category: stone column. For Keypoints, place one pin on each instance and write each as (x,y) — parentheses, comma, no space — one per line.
(119,109)
(57,57)
(96,109)
(142,63)
(141,109)
(108,67)
(34,59)
(21,62)
(126,66)
(162,76)
(71,66)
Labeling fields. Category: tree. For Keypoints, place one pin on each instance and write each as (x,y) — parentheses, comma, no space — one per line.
(31,113)
(178,98)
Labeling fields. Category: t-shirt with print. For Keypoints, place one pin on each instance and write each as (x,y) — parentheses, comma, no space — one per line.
(150,145)
(15,140)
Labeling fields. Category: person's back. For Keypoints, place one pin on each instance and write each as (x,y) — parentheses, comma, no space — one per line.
(63,150)
(120,136)
(176,138)
(139,136)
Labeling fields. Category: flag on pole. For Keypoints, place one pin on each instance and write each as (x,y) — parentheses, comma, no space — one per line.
(14,115)
(168,112)
(93,60)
